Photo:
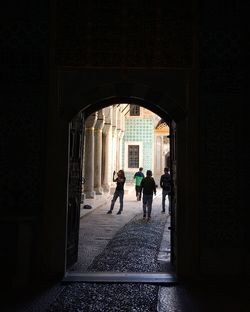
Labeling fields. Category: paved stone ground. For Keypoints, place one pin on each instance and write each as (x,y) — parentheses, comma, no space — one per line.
(131,297)
(97,228)
(134,248)
(116,243)
(107,297)
(39,303)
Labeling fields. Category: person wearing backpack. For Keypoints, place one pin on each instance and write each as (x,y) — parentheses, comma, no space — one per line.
(165,183)
(138,176)
(149,187)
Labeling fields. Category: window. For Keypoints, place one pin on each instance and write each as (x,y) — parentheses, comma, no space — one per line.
(134,110)
(133,156)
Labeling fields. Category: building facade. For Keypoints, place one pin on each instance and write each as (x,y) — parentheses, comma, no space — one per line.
(143,142)
(122,136)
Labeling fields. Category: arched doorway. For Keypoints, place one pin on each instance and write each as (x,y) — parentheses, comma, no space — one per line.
(75,96)
(142,98)
(92,170)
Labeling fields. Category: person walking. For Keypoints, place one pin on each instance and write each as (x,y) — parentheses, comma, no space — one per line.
(148,188)
(138,176)
(165,183)
(119,191)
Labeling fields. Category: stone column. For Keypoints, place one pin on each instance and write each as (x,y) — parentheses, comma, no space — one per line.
(114,139)
(107,130)
(121,138)
(98,153)
(89,156)
(121,146)
(119,132)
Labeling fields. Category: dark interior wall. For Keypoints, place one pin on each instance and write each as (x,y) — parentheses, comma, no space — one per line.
(107,34)
(129,48)
(23,113)
(131,33)
(144,36)
(223,100)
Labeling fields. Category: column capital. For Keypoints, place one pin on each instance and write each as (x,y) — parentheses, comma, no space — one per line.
(108,114)
(114,130)
(100,120)
(106,128)
(121,134)
(119,131)
(91,121)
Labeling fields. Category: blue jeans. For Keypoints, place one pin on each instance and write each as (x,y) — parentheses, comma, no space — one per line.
(120,194)
(147,203)
(164,194)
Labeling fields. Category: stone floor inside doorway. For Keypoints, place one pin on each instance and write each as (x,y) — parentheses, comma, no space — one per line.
(127,243)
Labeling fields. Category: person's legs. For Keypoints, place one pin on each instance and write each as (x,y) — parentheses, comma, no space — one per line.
(140,189)
(164,193)
(169,204)
(144,205)
(113,202)
(121,195)
(149,202)
(138,192)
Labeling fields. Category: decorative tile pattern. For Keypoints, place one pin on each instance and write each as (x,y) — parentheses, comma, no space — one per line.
(140,129)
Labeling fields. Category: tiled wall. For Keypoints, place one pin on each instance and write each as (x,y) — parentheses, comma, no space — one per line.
(140,129)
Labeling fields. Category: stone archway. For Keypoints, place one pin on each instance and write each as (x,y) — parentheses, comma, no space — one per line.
(91,100)
(76,93)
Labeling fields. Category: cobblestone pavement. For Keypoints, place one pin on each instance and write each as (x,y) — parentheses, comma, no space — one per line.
(97,228)
(119,248)
(105,242)
(128,244)
(134,248)
(84,297)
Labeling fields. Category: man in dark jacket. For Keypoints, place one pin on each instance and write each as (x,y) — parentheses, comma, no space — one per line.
(148,188)
(165,183)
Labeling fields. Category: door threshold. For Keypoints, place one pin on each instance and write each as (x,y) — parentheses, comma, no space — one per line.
(114,277)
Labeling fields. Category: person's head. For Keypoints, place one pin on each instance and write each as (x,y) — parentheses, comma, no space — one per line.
(166,170)
(149,173)
(121,173)
(140,169)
